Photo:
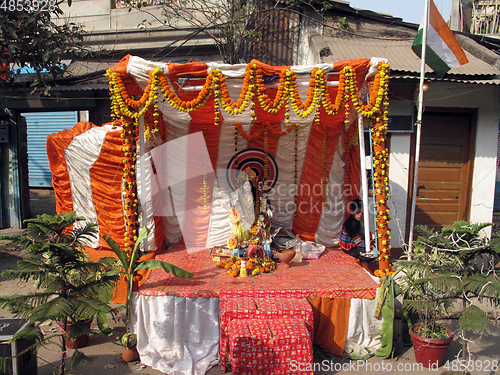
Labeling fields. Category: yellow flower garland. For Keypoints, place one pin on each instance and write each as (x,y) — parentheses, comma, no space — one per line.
(128,110)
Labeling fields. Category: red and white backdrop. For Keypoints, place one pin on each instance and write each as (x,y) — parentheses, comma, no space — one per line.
(87,164)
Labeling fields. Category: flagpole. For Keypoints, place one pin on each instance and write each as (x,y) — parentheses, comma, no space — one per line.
(420,111)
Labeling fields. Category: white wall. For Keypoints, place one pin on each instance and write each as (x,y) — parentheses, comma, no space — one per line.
(97,15)
(399,166)
(484,98)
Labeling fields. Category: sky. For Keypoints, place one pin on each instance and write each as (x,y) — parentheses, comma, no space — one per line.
(408,10)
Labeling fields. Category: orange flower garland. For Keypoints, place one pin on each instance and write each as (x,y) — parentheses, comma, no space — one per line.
(264,100)
(129,184)
(381,181)
(295,168)
(254,86)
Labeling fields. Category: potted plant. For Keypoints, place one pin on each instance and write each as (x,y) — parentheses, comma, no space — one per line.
(69,288)
(129,265)
(453,267)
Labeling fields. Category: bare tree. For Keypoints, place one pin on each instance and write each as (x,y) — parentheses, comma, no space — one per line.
(237,27)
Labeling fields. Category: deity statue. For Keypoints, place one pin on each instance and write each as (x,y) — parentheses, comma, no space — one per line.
(241,213)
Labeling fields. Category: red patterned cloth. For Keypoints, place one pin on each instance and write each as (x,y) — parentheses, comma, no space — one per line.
(292,347)
(250,347)
(268,308)
(276,346)
(238,306)
(334,275)
(231,309)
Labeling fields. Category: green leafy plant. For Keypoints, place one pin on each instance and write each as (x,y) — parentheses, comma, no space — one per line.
(344,23)
(131,264)
(70,289)
(129,340)
(453,267)
(35,39)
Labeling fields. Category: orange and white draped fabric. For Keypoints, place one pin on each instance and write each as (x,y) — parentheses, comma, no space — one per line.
(86,161)
(86,166)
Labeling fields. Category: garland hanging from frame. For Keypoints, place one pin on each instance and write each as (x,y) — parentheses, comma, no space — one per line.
(126,110)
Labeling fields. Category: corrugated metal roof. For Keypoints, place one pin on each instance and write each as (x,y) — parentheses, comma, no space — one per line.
(399,53)
(396,77)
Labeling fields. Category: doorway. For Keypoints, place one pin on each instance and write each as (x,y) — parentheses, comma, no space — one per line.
(445,168)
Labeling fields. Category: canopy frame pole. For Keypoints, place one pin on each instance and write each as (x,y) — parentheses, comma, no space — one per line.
(142,168)
(364,181)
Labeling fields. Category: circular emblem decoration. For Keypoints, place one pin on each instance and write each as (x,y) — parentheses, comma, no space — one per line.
(252,158)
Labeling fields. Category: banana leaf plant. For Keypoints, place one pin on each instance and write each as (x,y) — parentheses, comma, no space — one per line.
(131,264)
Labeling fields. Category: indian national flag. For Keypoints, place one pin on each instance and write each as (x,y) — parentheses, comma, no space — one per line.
(443,51)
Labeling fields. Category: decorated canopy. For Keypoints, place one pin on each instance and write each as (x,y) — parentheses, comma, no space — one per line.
(295,126)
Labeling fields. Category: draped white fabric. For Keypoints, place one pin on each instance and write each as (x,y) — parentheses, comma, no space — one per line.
(146,198)
(332,216)
(80,155)
(365,330)
(177,335)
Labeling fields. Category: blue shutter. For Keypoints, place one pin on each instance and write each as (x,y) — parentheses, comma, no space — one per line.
(40,125)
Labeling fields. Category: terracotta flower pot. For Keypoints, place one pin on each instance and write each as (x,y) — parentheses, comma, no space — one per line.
(130,354)
(430,352)
(77,342)
(286,257)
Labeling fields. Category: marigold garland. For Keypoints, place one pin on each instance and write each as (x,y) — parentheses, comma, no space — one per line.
(325,162)
(129,184)
(126,110)
(287,92)
(236,142)
(266,153)
(295,168)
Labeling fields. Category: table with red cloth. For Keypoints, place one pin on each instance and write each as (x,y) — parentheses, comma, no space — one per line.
(334,275)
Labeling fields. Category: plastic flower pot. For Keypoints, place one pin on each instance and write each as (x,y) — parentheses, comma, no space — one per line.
(430,352)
